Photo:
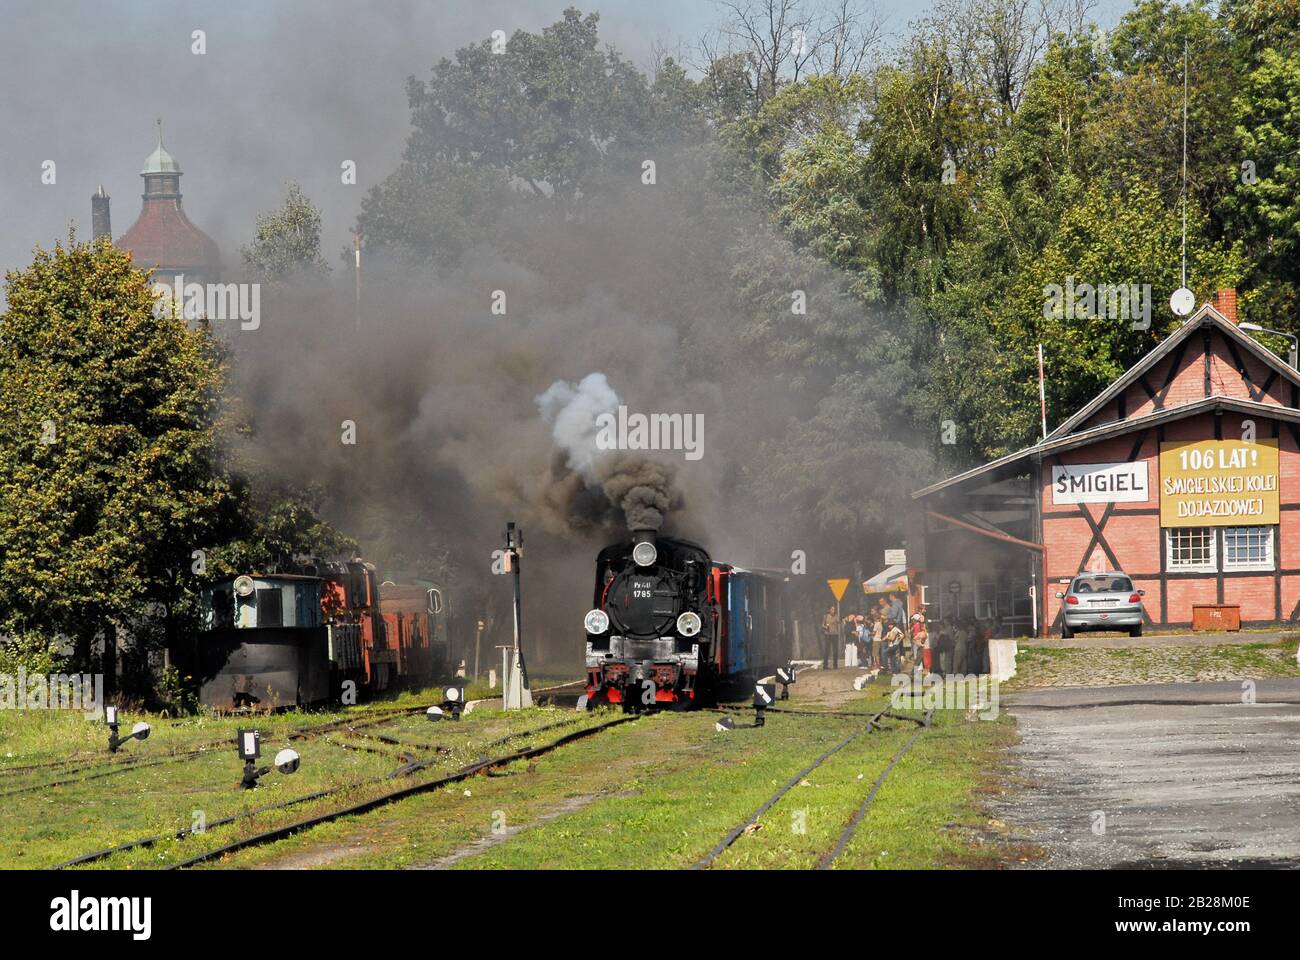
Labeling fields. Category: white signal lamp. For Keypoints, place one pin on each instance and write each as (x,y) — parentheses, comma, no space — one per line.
(287,761)
(454,700)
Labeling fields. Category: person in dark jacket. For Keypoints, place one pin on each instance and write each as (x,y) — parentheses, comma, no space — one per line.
(830,640)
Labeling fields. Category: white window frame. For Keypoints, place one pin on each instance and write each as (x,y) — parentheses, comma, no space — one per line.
(1270,563)
(1174,566)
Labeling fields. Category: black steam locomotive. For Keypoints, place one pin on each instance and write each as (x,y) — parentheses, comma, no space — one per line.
(672,627)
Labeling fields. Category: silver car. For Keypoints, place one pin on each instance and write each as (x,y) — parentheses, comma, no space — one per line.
(1101,601)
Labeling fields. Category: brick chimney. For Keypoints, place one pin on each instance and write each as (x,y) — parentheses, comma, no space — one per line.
(1225,301)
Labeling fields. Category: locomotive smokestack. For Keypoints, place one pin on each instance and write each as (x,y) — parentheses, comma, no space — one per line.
(100,224)
(643,536)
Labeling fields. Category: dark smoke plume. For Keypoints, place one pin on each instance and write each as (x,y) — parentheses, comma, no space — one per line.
(593,485)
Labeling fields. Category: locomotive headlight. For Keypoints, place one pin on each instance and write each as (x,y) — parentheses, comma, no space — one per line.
(644,554)
(596,622)
(688,624)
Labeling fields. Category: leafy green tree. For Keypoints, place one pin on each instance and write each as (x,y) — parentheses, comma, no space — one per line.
(1265,206)
(1139,123)
(925,149)
(287,242)
(108,458)
(278,521)
(985,372)
(544,120)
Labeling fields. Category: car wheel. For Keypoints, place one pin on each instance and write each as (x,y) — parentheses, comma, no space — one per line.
(1066,632)
(1135,631)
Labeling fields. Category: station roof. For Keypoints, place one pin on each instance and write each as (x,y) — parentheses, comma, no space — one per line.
(1067,436)
(1119,428)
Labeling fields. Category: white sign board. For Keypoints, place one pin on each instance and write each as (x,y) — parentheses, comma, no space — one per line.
(1100,483)
(895,557)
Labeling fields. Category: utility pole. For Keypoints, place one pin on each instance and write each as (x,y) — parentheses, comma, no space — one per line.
(1042,392)
(358,238)
(517,694)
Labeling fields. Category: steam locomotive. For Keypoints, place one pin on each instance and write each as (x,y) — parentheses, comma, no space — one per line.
(293,639)
(670,626)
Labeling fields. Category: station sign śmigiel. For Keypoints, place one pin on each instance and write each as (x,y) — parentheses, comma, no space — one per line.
(1219,483)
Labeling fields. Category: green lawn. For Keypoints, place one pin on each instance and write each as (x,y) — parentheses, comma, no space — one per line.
(656,793)
(1078,666)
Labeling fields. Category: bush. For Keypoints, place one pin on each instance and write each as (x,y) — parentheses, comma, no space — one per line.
(28,651)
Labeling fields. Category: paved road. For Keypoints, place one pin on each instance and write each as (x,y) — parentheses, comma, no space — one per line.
(1187,775)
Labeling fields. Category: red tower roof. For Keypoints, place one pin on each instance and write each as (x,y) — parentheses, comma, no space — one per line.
(163,236)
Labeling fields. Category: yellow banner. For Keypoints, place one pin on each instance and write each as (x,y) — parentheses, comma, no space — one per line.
(1218,483)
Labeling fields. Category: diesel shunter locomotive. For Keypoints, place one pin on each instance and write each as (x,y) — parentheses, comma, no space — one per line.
(277,639)
(672,627)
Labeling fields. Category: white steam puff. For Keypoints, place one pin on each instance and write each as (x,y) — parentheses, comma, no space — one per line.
(643,489)
(572,409)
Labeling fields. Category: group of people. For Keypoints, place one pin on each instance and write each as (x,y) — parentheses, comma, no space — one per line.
(886,639)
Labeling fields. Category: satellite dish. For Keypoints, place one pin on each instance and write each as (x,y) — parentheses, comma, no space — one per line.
(1182,302)
(244,586)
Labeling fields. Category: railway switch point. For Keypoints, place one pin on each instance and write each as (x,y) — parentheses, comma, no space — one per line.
(454,701)
(139,732)
(786,676)
(249,743)
(764,697)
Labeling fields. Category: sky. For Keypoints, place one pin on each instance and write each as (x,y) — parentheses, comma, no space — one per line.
(286,90)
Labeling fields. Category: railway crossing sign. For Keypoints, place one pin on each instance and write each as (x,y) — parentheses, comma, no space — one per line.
(838,586)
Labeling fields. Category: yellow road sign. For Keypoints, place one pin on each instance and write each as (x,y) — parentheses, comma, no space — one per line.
(838,587)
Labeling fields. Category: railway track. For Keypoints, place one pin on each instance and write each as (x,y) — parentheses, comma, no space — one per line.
(852,826)
(464,773)
(111,766)
(90,760)
(407,769)
(873,724)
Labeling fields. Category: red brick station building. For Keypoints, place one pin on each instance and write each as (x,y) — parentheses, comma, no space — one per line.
(1184,474)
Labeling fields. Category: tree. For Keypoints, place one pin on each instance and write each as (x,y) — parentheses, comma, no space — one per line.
(542,119)
(287,242)
(1265,206)
(984,371)
(108,457)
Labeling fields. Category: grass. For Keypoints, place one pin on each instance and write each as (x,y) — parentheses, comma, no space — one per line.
(656,793)
(1077,666)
